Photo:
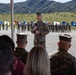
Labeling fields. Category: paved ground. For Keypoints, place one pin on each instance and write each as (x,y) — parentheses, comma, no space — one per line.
(51,40)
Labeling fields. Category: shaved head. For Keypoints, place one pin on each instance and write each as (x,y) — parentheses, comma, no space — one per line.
(64,44)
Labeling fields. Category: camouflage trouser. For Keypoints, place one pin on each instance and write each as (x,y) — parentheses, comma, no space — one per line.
(42,44)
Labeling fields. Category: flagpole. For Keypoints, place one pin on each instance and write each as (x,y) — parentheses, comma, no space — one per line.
(12,19)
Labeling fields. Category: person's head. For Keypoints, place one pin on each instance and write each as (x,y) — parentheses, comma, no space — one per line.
(37,62)
(21,40)
(38,16)
(64,41)
(6,58)
(7,39)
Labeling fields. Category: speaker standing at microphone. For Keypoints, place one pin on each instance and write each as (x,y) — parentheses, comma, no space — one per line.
(40,30)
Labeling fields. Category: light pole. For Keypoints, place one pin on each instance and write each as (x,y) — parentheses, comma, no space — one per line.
(12,19)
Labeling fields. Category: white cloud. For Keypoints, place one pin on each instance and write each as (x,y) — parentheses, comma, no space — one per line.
(62,0)
(8,1)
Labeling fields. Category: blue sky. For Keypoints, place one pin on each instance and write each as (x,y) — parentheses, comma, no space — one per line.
(8,1)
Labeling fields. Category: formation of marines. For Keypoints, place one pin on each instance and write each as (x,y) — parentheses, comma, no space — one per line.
(52,27)
(4,26)
(59,28)
(21,27)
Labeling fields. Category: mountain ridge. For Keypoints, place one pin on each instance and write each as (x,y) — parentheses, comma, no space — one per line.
(44,6)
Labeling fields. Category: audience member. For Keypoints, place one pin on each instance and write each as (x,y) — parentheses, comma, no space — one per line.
(20,51)
(6,38)
(18,66)
(6,58)
(62,62)
(38,62)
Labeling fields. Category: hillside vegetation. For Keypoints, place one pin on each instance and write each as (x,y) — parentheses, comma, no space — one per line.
(56,16)
(44,6)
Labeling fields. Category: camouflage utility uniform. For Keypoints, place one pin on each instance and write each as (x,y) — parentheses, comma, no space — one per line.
(43,28)
(22,54)
(63,63)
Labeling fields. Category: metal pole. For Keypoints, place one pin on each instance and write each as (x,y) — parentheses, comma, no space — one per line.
(12,19)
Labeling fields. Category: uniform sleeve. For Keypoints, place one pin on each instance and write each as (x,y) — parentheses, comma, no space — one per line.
(45,30)
(32,31)
(74,67)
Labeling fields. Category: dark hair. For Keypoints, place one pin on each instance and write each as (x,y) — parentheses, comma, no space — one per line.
(7,39)
(38,13)
(37,62)
(6,57)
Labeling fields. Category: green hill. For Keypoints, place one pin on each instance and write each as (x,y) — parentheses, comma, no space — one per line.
(45,6)
(56,16)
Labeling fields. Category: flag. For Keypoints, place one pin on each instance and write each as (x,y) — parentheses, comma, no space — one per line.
(0,22)
(64,23)
(56,23)
(73,23)
(24,22)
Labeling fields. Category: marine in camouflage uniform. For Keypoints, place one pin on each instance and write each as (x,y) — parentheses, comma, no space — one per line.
(62,62)
(20,51)
(22,54)
(40,30)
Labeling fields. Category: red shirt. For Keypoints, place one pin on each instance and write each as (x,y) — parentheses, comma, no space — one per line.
(19,68)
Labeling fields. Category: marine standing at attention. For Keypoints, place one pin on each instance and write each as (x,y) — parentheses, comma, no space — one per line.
(20,50)
(62,62)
